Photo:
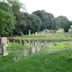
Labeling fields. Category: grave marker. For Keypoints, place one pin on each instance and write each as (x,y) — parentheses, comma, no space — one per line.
(4,45)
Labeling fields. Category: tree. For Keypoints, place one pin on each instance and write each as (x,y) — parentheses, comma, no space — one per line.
(62,22)
(7,22)
(36,23)
(5,6)
(28,22)
(46,18)
(7,19)
(16,6)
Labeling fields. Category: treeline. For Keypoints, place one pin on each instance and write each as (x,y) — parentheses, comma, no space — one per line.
(14,22)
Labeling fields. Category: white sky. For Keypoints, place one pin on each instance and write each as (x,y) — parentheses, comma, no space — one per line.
(56,7)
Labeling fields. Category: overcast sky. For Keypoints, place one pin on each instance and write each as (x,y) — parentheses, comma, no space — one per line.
(56,7)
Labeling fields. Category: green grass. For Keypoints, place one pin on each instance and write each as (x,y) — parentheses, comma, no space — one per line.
(46,37)
(18,48)
(44,61)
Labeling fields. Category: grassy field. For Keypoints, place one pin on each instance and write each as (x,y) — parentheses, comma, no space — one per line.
(55,59)
(46,37)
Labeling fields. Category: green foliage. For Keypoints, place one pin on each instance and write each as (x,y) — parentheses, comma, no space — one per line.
(7,22)
(62,22)
(36,23)
(9,16)
(15,6)
(5,6)
(46,18)
(28,22)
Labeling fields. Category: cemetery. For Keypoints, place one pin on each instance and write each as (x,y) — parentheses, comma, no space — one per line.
(34,40)
(25,54)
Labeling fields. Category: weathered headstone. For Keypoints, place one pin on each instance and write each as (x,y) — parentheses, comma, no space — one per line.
(3,42)
(26,52)
(33,49)
(17,58)
(0,49)
(38,49)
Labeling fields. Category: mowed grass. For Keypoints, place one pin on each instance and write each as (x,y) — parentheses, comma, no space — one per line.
(55,61)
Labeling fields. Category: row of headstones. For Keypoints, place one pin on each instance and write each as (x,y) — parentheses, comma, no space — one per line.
(34,49)
(21,41)
(33,43)
(26,53)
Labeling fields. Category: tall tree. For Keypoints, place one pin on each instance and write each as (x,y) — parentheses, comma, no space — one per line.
(62,22)
(46,18)
(16,6)
(7,20)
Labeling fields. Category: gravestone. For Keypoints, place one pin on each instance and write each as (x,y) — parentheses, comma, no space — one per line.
(29,32)
(17,58)
(33,49)
(36,33)
(4,45)
(0,49)
(70,29)
(26,52)
(38,49)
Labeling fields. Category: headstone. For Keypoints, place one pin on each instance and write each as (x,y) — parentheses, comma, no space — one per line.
(26,52)
(36,33)
(17,58)
(60,31)
(70,29)
(5,52)
(3,42)
(38,49)
(22,41)
(71,26)
(29,32)
(33,49)
(50,45)
(46,44)
(0,49)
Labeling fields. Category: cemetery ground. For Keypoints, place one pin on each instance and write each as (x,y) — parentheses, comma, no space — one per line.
(56,57)
(47,36)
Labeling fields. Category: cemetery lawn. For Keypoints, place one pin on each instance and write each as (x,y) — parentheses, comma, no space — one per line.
(46,37)
(56,61)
